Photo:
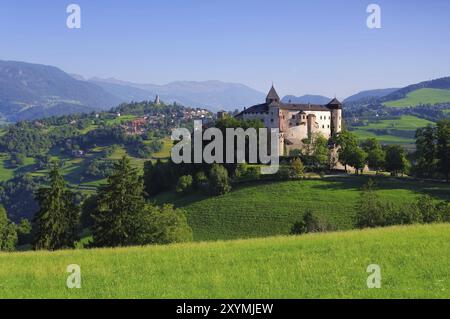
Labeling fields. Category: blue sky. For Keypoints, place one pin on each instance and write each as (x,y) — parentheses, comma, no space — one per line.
(304,47)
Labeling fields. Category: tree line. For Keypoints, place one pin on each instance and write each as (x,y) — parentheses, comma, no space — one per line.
(119,215)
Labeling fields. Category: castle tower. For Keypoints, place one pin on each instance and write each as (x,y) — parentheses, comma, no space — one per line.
(310,124)
(336,116)
(272,96)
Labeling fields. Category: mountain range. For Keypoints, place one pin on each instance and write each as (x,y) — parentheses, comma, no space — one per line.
(304,99)
(29,91)
(213,95)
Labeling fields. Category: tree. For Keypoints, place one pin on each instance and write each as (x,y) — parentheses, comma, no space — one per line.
(184,184)
(122,218)
(443,147)
(24,230)
(164,225)
(120,205)
(357,158)
(320,152)
(297,170)
(426,151)
(310,223)
(219,182)
(58,217)
(370,212)
(375,154)
(346,142)
(395,161)
(201,180)
(8,233)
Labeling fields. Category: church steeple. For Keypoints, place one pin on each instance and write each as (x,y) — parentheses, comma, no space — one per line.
(272,96)
(157,101)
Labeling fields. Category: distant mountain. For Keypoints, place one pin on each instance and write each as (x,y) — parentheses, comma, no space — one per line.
(304,99)
(377,93)
(213,95)
(29,91)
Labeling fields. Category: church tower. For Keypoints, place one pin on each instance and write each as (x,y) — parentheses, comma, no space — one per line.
(157,101)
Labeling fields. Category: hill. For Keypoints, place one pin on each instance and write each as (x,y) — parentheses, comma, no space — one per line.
(368,94)
(395,130)
(271,208)
(413,262)
(304,99)
(214,95)
(441,84)
(421,97)
(29,91)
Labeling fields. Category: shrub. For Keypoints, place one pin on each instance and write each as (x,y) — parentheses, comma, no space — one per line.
(201,180)
(219,182)
(164,225)
(297,170)
(310,223)
(184,184)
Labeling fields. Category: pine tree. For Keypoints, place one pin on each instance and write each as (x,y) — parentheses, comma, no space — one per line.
(58,217)
(8,232)
(120,205)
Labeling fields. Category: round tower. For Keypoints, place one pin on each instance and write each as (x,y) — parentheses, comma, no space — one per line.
(336,116)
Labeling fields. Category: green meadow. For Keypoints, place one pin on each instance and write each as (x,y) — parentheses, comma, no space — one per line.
(271,208)
(5,172)
(414,263)
(392,131)
(421,96)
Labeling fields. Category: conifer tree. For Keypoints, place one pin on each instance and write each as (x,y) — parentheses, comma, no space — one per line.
(8,232)
(120,205)
(57,219)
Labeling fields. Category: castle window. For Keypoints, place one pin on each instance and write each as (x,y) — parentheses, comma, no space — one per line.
(328,126)
(323,126)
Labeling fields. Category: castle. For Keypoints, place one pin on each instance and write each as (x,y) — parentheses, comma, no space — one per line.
(296,121)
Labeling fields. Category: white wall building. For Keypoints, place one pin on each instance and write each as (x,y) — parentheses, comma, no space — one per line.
(296,121)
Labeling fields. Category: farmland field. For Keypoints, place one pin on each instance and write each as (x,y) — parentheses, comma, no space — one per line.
(414,263)
(421,96)
(271,208)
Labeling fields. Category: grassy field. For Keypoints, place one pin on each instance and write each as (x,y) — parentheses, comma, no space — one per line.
(421,96)
(407,123)
(5,172)
(414,262)
(165,151)
(271,208)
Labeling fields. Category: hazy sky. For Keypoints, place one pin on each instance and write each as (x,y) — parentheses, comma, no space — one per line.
(304,47)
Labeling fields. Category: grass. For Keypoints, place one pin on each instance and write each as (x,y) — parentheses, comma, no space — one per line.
(165,151)
(271,208)
(5,173)
(421,96)
(406,125)
(414,262)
